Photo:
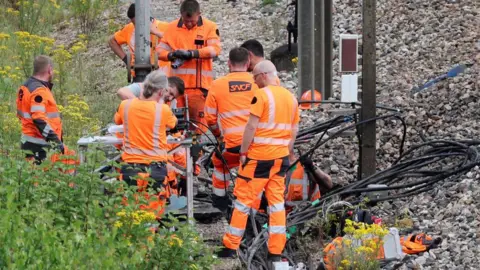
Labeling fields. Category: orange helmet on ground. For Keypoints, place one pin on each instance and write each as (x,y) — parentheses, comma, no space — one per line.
(307,96)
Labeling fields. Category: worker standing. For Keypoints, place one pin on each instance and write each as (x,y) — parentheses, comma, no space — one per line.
(145,122)
(255,52)
(264,158)
(127,36)
(306,182)
(38,112)
(191,43)
(228,102)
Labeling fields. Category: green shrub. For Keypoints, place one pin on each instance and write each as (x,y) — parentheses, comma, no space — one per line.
(52,220)
(88,12)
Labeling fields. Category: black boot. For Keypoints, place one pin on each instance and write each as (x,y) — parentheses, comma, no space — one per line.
(226,253)
(273,258)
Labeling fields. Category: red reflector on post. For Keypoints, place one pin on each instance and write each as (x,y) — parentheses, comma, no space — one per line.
(348,53)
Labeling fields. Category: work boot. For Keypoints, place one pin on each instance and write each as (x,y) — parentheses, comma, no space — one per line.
(272,258)
(226,253)
(221,202)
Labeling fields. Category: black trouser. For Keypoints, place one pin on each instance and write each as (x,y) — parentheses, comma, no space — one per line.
(158,172)
(39,152)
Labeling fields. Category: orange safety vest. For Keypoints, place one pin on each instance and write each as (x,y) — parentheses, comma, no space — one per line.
(127,36)
(197,73)
(229,101)
(144,136)
(278,111)
(38,113)
(299,186)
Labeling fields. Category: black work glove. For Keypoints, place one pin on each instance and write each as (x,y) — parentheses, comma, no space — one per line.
(170,56)
(307,163)
(125,60)
(183,54)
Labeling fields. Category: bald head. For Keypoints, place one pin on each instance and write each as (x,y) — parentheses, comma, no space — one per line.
(264,66)
(265,74)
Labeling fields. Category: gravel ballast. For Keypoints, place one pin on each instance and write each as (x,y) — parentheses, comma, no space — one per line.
(416,41)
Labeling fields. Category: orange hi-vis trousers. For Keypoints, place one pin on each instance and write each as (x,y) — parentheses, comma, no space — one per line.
(196,104)
(255,176)
(221,173)
(158,173)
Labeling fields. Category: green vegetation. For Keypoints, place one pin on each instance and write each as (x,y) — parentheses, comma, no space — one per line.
(51,220)
(54,220)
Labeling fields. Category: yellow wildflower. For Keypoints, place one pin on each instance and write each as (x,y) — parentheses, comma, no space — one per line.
(345,263)
(4,36)
(13,12)
(121,213)
(118,224)
(178,241)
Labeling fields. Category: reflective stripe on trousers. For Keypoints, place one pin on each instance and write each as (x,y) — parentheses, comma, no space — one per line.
(221,176)
(254,177)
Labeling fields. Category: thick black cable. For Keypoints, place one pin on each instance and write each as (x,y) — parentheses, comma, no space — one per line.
(412,165)
(217,150)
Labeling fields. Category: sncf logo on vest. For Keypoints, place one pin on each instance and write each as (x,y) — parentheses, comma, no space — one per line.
(237,86)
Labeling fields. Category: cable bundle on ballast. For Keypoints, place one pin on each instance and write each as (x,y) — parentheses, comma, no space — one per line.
(417,170)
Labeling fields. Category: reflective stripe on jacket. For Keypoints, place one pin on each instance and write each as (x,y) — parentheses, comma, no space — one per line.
(277,109)
(144,136)
(197,73)
(299,187)
(228,103)
(38,113)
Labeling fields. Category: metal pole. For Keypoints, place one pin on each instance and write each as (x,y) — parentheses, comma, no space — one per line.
(189,185)
(328,48)
(142,40)
(319,60)
(305,46)
(368,134)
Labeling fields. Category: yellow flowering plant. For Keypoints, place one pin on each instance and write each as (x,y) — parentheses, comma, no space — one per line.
(75,120)
(360,247)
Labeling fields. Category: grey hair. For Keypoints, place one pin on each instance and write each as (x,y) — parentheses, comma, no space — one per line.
(154,82)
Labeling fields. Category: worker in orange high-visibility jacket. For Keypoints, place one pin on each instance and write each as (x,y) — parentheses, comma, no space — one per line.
(194,41)
(127,36)
(306,182)
(226,111)
(264,159)
(175,90)
(145,123)
(38,112)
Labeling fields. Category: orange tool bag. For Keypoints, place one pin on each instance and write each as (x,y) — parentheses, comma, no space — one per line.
(417,243)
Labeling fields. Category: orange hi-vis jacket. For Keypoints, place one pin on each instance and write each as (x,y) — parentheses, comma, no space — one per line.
(299,187)
(278,111)
(197,73)
(228,102)
(127,36)
(144,136)
(38,113)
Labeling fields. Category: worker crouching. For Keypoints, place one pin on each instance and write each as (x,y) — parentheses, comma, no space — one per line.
(264,157)
(145,123)
(306,182)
